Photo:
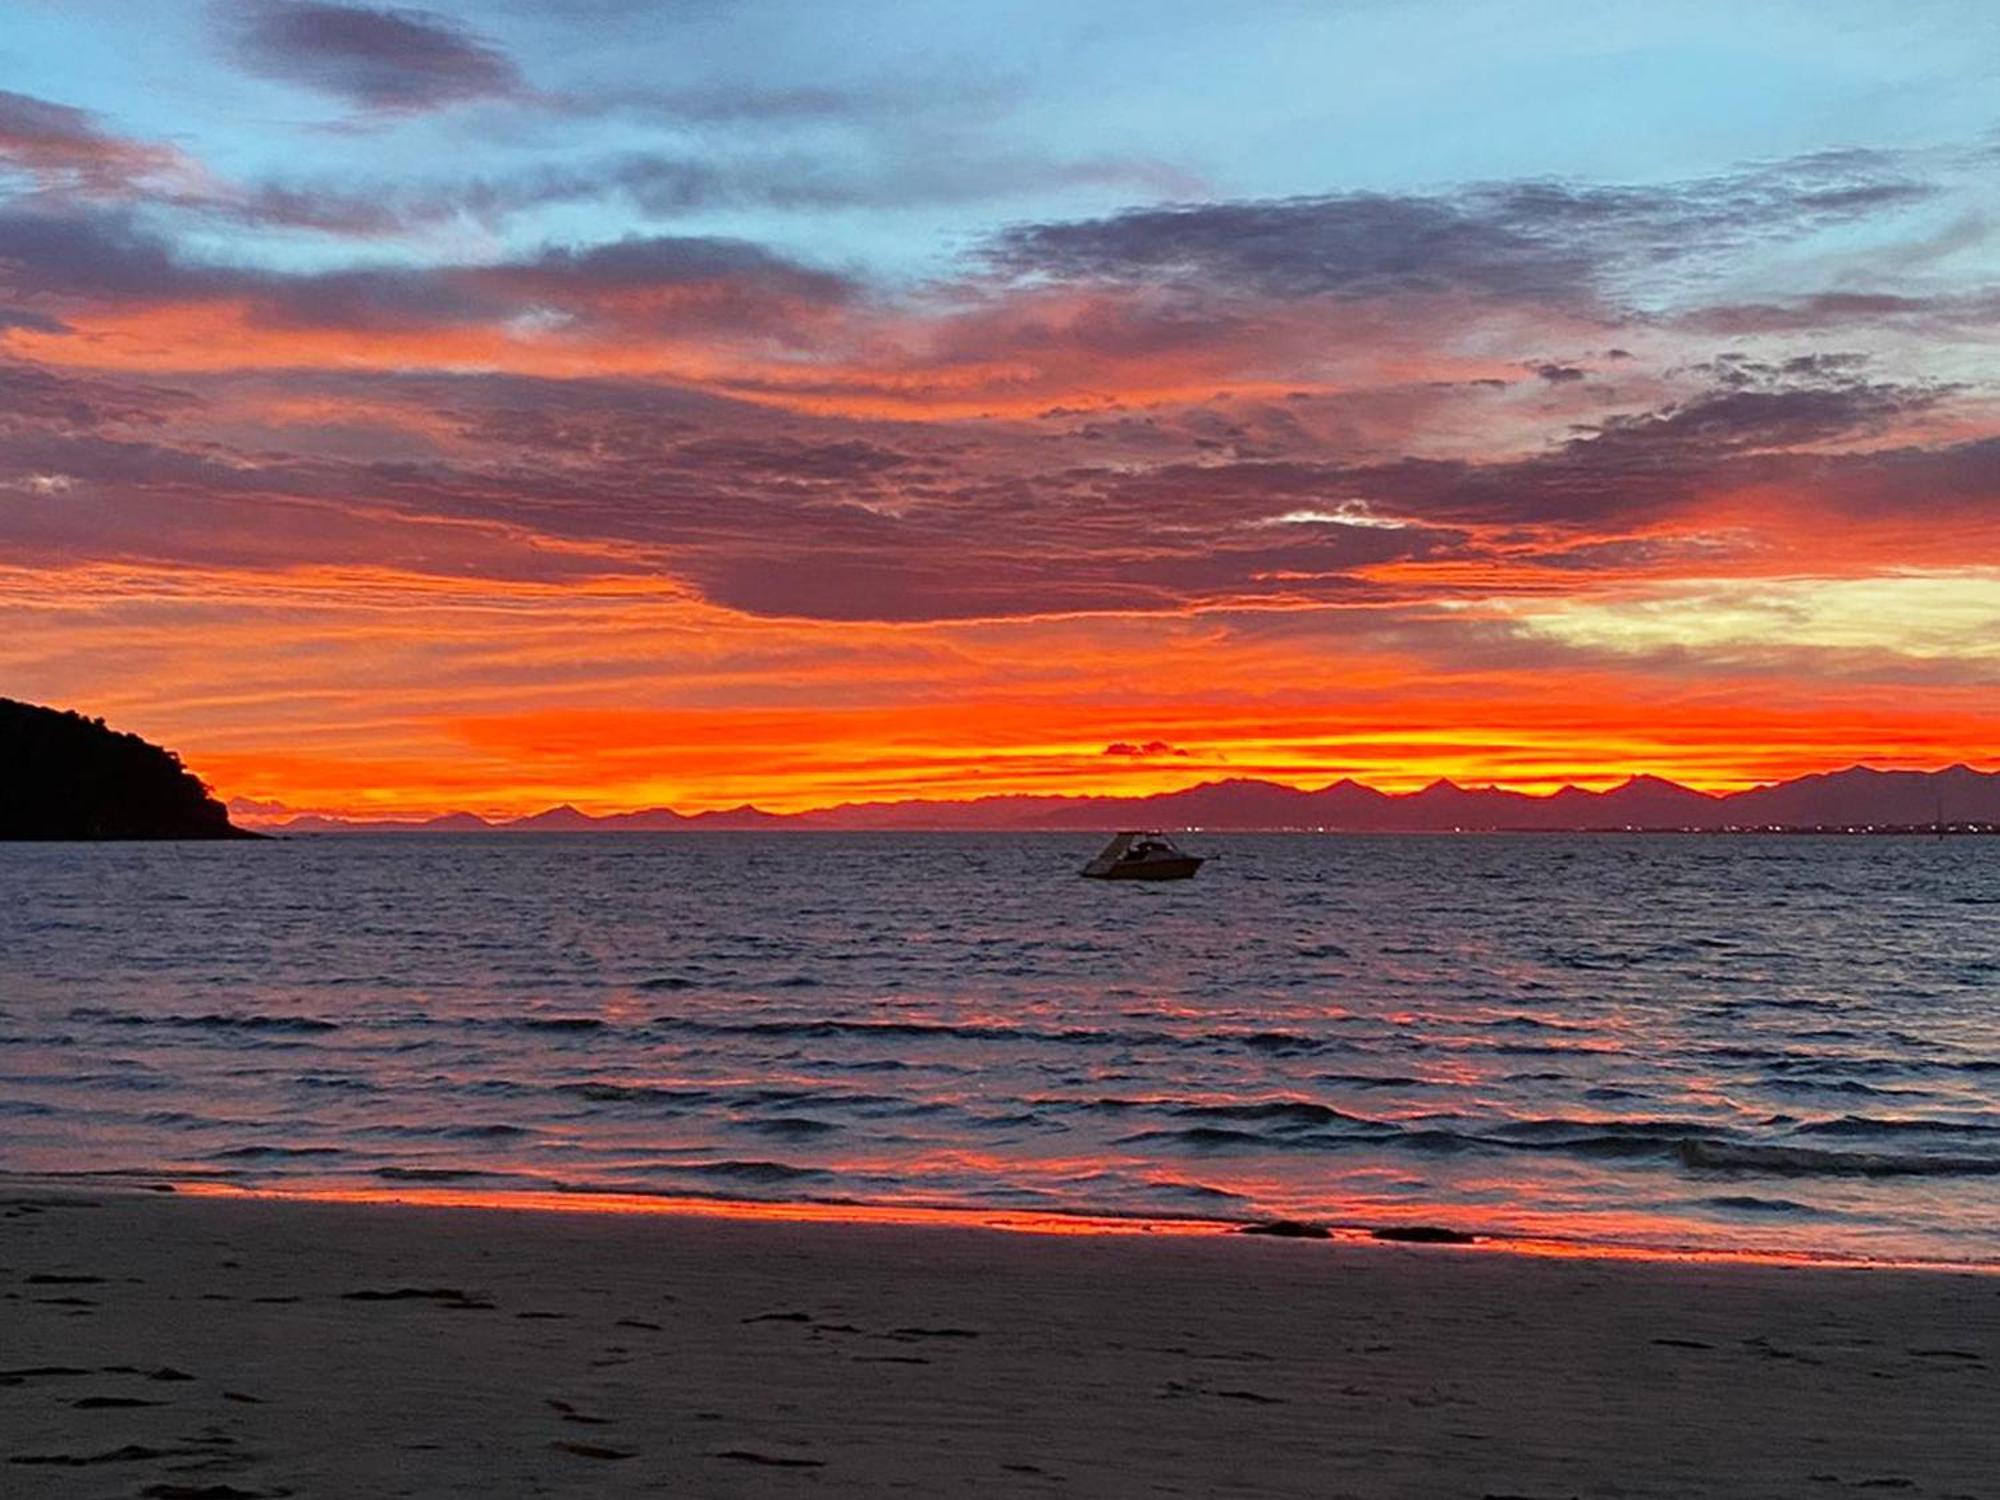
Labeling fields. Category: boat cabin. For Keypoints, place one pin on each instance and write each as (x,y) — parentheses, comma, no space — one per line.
(1137,855)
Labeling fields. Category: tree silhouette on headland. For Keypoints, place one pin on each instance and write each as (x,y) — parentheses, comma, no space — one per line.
(63,776)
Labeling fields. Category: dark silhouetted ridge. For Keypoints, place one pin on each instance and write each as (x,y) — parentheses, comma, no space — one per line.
(63,776)
(1957,799)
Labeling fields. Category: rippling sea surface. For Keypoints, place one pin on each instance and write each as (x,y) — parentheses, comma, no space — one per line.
(1760,1042)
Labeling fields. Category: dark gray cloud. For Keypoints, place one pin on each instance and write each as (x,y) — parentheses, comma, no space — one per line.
(1531,241)
(29,124)
(639,261)
(1944,315)
(31,395)
(842,461)
(33,322)
(1359,245)
(110,257)
(378,300)
(1754,404)
(56,146)
(388,60)
(744,290)
(1706,215)
(102,255)
(1924,486)
(1736,420)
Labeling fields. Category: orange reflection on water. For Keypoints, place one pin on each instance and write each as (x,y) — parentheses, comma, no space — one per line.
(1012,1220)
(1021,1222)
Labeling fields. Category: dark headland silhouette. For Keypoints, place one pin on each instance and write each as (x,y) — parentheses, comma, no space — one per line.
(63,776)
(1957,799)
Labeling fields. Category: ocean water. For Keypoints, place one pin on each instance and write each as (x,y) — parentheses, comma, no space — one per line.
(1775,1043)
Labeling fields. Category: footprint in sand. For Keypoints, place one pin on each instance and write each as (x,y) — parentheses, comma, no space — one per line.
(592,1450)
(745,1456)
(131,1453)
(38,1372)
(444,1296)
(571,1414)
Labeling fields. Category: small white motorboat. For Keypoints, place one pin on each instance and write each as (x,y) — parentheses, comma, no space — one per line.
(1143,856)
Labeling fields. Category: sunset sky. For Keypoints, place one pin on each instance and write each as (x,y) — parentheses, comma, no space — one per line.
(628,403)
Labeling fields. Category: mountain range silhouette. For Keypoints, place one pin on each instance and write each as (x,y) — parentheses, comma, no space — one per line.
(1858,797)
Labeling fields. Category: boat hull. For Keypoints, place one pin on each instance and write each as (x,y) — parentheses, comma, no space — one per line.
(1150,869)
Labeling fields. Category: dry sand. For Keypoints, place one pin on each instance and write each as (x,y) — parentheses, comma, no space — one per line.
(166,1346)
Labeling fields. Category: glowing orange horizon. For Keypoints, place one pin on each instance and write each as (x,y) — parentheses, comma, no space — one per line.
(363,694)
(1134,785)
(602,761)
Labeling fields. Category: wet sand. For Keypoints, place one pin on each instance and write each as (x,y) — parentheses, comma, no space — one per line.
(169,1346)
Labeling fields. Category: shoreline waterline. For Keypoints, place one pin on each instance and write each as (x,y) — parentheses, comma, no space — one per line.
(1400,1236)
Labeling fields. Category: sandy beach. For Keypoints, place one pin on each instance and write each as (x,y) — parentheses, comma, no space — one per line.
(166,1345)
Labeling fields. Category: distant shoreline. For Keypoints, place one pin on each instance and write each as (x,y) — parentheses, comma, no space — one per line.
(358,832)
(365,830)
(1858,800)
